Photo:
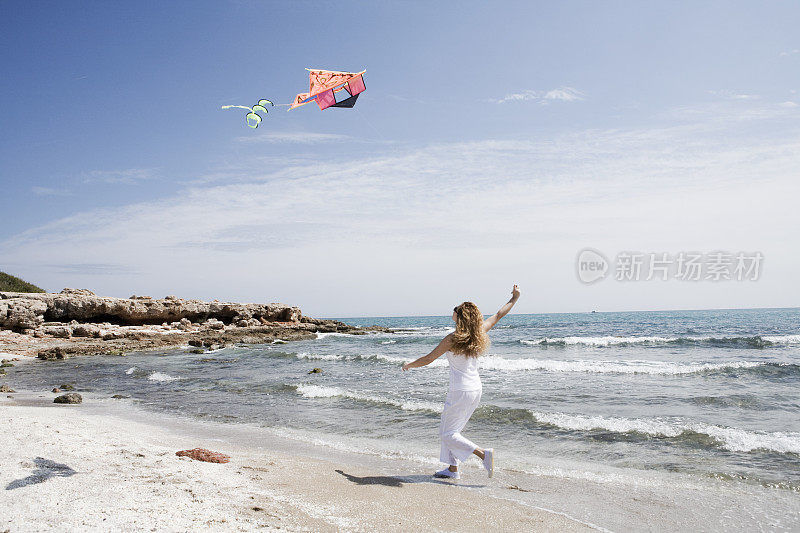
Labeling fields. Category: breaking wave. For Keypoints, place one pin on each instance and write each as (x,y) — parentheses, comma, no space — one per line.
(755,341)
(678,429)
(501,364)
(733,439)
(318,391)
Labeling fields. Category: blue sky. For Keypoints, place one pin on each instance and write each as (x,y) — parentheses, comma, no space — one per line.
(492,144)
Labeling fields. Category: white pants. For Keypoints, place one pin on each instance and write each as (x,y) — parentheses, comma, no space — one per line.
(458,407)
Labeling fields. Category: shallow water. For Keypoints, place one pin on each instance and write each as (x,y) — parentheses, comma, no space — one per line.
(710,394)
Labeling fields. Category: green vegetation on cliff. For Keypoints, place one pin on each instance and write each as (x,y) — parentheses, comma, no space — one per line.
(10,283)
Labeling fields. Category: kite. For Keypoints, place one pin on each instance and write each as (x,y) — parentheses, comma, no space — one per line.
(324,84)
(253,119)
(322,87)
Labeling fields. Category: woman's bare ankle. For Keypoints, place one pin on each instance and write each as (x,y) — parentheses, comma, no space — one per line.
(453,468)
(479,453)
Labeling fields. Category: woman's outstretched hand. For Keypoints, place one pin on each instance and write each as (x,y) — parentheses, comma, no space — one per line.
(515,293)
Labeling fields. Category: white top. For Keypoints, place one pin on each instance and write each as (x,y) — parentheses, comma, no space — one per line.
(463,372)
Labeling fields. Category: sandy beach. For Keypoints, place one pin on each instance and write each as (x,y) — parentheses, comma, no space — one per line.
(78,468)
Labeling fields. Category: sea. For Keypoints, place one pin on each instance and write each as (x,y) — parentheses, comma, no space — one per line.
(711,396)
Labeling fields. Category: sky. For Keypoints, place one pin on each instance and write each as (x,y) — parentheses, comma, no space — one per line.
(491,146)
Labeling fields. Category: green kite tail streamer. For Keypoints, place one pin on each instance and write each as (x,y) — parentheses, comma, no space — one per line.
(253,119)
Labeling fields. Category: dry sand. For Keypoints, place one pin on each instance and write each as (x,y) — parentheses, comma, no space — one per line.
(71,468)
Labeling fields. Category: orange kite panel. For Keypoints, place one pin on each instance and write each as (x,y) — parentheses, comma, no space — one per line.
(320,81)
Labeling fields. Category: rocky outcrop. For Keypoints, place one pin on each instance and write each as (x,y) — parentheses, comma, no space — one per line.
(28,311)
(21,313)
(78,322)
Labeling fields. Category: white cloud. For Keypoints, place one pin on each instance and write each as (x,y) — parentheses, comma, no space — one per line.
(402,231)
(566,94)
(294,137)
(790,52)
(735,96)
(49,191)
(788,104)
(128,176)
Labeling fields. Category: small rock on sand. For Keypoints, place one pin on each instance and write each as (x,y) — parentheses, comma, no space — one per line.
(70,397)
(201,454)
(6,388)
(315,371)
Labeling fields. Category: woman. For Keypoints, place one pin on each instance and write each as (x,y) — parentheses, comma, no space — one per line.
(463,347)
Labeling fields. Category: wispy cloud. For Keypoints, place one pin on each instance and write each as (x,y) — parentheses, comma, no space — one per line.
(564,94)
(402,221)
(731,95)
(50,191)
(92,269)
(294,137)
(126,176)
(793,52)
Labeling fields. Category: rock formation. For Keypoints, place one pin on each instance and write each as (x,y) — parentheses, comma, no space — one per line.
(76,321)
(21,311)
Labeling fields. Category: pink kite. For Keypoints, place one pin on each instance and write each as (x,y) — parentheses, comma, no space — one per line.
(324,84)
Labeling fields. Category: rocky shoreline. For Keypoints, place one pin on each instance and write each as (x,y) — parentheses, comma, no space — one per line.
(78,322)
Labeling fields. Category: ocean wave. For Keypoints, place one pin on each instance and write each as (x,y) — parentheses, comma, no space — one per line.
(161,377)
(390,341)
(319,391)
(733,439)
(423,331)
(500,364)
(131,370)
(754,341)
(493,362)
(319,356)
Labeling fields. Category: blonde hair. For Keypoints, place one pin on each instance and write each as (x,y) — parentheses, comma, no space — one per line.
(469,338)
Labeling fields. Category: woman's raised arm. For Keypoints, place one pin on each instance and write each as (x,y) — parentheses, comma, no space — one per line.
(490,322)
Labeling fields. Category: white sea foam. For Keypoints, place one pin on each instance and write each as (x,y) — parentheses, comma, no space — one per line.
(610,340)
(782,339)
(390,341)
(160,376)
(734,439)
(494,362)
(441,361)
(597,341)
(321,357)
(318,391)
(501,364)
(423,331)
(321,335)
(131,370)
